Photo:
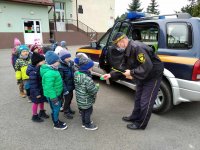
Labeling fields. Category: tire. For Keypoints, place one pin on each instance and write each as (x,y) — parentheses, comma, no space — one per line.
(163,102)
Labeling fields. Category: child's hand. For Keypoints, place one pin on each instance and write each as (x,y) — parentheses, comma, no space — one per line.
(38,96)
(66,93)
(97,85)
(55,101)
(105,77)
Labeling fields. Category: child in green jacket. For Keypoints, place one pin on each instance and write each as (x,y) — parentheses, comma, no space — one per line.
(86,90)
(53,87)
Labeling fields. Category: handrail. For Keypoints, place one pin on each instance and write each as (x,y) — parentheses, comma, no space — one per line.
(82,27)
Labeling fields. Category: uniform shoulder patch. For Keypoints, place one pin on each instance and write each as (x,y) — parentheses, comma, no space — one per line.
(141,57)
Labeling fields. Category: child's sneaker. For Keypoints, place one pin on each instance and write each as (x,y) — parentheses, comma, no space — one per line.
(60,126)
(91,127)
(36,118)
(61,109)
(68,115)
(29,99)
(63,123)
(43,114)
(83,125)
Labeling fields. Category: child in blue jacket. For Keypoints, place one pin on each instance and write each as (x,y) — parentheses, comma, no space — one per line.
(36,91)
(67,73)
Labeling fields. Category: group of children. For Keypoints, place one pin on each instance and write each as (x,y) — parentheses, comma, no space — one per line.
(52,77)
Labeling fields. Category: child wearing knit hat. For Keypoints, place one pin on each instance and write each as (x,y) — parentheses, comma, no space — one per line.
(53,87)
(37,49)
(86,89)
(14,56)
(63,44)
(67,73)
(20,71)
(36,91)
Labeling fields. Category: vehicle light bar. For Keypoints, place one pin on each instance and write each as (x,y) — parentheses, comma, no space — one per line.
(135,15)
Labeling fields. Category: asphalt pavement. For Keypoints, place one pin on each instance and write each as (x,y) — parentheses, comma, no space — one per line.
(178,129)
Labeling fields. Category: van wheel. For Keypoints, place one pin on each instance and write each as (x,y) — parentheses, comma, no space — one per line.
(163,103)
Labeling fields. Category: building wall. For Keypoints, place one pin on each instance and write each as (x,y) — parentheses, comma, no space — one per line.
(12,16)
(97,14)
(69,9)
(15,13)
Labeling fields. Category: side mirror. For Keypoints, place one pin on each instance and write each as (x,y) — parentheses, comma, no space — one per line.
(93,44)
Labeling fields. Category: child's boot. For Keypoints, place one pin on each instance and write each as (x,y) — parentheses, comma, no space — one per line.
(22,94)
(43,114)
(36,118)
(21,89)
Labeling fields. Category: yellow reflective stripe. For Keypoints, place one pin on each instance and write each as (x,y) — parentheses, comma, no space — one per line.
(117,40)
(91,51)
(149,103)
(178,59)
(117,70)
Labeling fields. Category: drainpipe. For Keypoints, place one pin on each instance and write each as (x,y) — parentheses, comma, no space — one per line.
(77,15)
(54,17)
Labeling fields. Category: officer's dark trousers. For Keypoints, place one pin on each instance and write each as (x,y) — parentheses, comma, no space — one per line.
(146,94)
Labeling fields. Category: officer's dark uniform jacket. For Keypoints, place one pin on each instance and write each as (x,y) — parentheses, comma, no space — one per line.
(140,59)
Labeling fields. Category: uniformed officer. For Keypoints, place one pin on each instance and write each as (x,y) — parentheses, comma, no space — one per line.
(143,65)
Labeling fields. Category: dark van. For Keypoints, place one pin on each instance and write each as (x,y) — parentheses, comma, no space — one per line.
(175,40)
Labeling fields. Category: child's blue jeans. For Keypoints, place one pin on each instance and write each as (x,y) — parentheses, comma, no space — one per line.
(55,109)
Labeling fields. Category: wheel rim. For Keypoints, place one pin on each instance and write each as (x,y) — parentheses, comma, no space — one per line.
(159,100)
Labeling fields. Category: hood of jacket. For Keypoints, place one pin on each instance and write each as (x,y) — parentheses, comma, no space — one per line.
(45,68)
(31,68)
(79,77)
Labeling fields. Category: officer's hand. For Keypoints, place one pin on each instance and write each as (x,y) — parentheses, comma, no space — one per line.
(127,73)
(106,76)
(129,77)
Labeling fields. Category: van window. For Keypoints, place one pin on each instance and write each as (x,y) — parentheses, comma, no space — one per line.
(150,37)
(177,36)
(103,41)
(146,34)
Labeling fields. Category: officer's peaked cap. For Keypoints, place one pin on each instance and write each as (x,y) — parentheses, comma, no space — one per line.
(117,37)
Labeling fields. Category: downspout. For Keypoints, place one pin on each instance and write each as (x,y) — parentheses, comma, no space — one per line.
(77,15)
(54,14)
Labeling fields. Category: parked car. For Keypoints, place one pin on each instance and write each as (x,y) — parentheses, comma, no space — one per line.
(175,40)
